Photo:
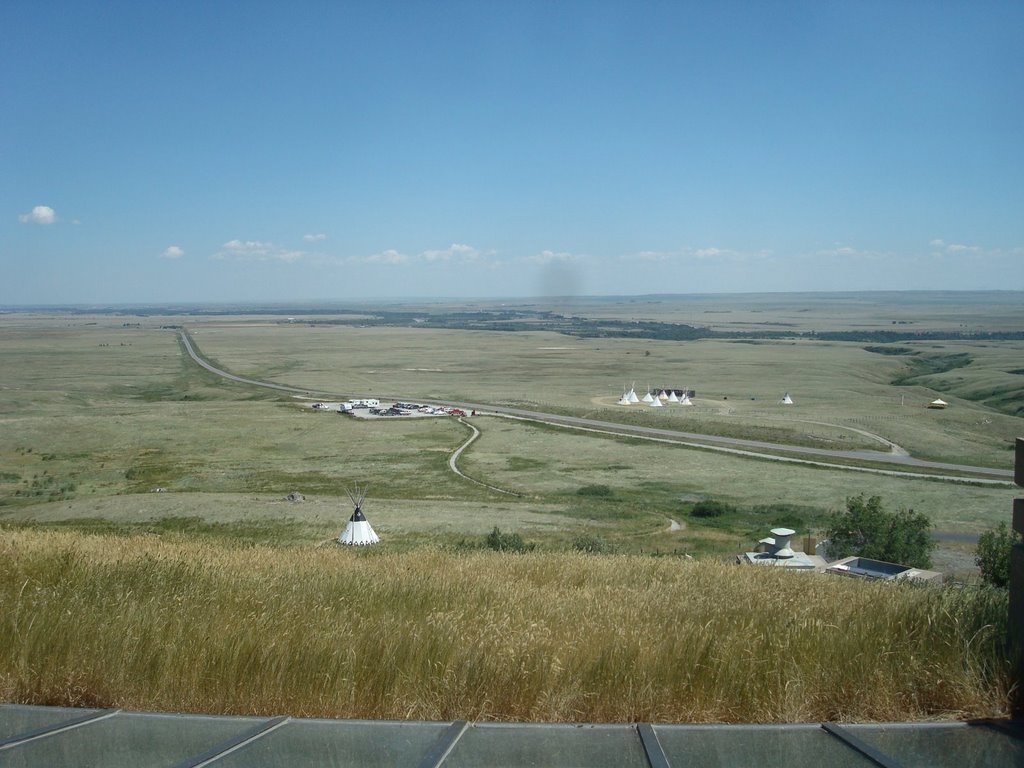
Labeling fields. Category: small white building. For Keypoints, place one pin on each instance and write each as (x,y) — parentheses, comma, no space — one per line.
(778,552)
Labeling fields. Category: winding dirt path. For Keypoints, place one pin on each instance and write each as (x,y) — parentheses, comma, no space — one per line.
(454,458)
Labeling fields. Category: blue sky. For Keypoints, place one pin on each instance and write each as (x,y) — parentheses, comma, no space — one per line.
(246,151)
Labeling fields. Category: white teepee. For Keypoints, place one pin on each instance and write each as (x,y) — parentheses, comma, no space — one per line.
(663,396)
(685,399)
(631,396)
(656,403)
(648,397)
(786,399)
(358,532)
(624,400)
(672,397)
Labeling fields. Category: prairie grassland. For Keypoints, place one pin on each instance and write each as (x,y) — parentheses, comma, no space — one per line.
(738,383)
(863,311)
(94,417)
(173,624)
(545,462)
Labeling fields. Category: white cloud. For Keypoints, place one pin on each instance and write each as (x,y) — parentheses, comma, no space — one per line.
(706,254)
(387,257)
(728,254)
(253,247)
(941,248)
(456,251)
(437,255)
(317,238)
(552,257)
(173,252)
(256,250)
(647,256)
(41,214)
(847,254)
(844,250)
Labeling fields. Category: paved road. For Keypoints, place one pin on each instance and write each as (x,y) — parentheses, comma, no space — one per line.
(757,448)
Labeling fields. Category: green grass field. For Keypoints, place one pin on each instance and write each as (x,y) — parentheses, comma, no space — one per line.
(99,411)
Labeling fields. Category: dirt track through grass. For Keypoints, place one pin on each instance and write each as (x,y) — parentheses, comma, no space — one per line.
(454,459)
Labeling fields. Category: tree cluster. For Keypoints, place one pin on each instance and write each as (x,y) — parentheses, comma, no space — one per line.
(993,554)
(866,529)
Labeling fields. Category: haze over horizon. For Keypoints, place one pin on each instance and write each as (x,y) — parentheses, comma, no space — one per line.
(260,153)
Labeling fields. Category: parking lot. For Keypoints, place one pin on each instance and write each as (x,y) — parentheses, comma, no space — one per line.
(365,410)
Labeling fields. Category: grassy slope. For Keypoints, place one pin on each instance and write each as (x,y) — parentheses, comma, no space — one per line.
(177,624)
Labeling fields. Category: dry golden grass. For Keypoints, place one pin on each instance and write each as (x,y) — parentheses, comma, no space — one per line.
(172,624)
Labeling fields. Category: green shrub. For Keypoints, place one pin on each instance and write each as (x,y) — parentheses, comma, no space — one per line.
(993,554)
(711,508)
(600,491)
(799,518)
(506,542)
(595,545)
(866,529)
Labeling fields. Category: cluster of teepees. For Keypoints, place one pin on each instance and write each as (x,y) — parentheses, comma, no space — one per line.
(358,532)
(666,396)
(628,398)
(654,400)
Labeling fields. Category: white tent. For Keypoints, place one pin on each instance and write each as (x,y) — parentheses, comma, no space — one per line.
(632,396)
(648,397)
(624,400)
(663,396)
(656,403)
(786,399)
(938,403)
(358,532)
(685,399)
(672,397)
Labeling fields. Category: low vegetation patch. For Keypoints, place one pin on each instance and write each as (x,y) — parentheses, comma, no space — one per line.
(44,487)
(596,491)
(711,508)
(178,624)
(506,542)
(237,532)
(890,350)
(752,522)
(593,544)
(923,366)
